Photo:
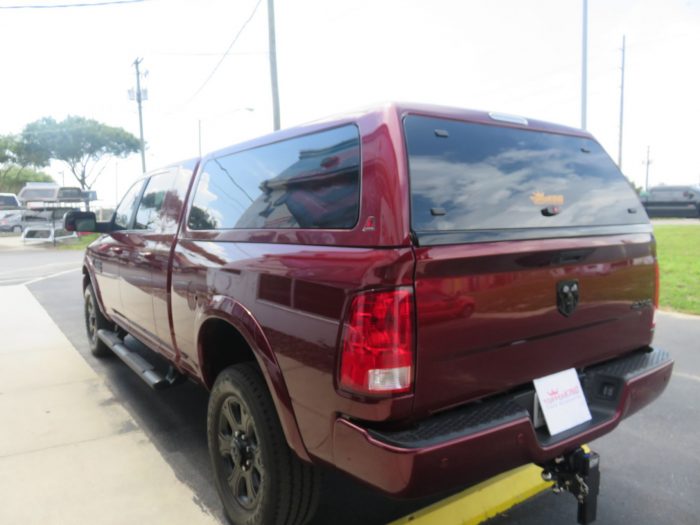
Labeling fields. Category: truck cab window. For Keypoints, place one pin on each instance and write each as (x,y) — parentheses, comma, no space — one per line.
(148,214)
(125,210)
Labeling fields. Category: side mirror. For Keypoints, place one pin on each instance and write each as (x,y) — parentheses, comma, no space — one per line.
(80,221)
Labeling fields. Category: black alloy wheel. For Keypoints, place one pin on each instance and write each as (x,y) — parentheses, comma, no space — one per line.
(259,479)
(239,452)
(94,321)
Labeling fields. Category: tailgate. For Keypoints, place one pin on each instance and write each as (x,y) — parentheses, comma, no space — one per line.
(494,316)
(533,255)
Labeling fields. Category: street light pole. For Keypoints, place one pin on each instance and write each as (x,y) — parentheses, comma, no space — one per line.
(137,62)
(273,64)
(647,162)
(622,106)
(584,65)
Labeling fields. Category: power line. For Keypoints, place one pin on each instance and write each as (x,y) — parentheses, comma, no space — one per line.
(63,6)
(225,54)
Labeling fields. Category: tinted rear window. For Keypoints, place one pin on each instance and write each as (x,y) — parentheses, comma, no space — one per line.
(305,182)
(480,177)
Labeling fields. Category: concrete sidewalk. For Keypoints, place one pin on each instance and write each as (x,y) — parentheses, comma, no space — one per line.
(69,452)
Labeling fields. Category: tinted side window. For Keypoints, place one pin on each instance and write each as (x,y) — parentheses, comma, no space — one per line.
(174,200)
(148,212)
(123,213)
(305,182)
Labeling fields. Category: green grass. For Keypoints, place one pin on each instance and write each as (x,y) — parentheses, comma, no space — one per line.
(80,244)
(678,249)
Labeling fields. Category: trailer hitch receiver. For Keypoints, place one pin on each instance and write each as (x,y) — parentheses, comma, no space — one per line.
(577,472)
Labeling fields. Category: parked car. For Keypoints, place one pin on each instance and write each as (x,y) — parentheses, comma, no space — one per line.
(673,201)
(46,218)
(421,297)
(8,201)
(17,221)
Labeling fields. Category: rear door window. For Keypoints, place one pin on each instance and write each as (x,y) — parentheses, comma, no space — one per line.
(305,182)
(476,177)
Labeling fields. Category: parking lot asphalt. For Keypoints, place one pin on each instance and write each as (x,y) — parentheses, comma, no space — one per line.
(21,264)
(650,464)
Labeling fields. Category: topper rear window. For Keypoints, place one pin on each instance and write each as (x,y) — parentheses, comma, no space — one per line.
(476,177)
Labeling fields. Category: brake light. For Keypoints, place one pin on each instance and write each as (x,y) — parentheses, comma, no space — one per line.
(377,352)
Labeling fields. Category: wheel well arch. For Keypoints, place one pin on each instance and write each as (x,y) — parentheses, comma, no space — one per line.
(221,343)
(86,277)
(220,346)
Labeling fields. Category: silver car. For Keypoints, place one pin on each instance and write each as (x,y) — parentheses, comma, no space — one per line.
(17,220)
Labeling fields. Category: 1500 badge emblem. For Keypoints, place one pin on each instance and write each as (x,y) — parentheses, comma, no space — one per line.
(567,297)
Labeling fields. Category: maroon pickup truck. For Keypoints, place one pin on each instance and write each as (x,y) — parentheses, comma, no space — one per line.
(421,297)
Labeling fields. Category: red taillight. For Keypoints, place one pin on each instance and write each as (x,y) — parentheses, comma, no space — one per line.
(377,352)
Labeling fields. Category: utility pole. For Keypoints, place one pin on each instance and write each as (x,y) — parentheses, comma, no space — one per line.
(622,105)
(137,62)
(273,63)
(584,65)
(647,162)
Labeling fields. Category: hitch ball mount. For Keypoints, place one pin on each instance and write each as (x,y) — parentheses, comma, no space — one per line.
(577,472)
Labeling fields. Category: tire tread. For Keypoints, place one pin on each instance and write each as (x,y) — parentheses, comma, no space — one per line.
(297,483)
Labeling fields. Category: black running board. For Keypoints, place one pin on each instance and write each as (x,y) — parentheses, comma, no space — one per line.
(138,364)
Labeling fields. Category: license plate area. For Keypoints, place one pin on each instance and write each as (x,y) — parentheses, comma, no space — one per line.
(561,401)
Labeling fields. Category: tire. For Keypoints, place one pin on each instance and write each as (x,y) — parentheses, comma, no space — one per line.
(16,229)
(94,321)
(243,429)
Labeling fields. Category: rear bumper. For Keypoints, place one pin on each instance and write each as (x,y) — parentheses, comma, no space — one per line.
(480,440)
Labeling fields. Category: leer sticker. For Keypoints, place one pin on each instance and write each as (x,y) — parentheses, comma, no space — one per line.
(540,199)
(563,404)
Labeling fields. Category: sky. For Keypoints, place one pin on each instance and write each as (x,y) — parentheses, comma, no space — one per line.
(514,56)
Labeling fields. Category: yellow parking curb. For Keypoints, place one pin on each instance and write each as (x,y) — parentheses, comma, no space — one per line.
(482,501)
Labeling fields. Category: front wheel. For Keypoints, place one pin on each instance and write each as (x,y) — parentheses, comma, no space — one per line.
(94,321)
(16,229)
(259,479)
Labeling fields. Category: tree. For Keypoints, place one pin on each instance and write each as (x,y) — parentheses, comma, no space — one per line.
(78,142)
(15,177)
(15,159)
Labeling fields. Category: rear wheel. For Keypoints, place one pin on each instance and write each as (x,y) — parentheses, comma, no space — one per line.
(94,321)
(17,229)
(260,480)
